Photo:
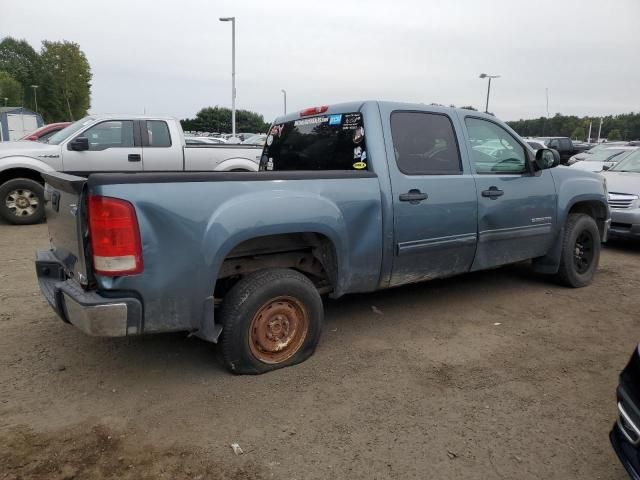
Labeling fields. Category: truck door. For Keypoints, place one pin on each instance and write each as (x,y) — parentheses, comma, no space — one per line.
(434,196)
(113,146)
(516,205)
(158,150)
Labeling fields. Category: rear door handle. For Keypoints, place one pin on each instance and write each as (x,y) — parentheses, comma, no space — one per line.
(413,196)
(493,193)
(134,157)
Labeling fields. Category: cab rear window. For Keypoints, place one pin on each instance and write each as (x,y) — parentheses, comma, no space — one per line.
(324,142)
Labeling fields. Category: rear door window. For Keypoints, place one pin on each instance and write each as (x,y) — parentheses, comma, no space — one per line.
(158,133)
(425,144)
(324,142)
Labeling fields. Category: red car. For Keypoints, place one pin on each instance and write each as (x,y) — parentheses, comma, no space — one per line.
(44,132)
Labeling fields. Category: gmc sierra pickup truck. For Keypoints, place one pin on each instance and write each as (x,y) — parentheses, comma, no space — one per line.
(350,198)
(106,143)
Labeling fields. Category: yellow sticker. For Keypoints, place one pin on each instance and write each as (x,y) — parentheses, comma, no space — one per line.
(359,165)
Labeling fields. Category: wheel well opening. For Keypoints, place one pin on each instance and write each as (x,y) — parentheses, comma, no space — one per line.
(594,209)
(12,173)
(312,254)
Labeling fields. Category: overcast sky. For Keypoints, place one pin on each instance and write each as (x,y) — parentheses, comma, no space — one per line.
(174,57)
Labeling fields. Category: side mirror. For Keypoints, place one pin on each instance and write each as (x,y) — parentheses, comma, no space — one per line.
(79,144)
(606,167)
(547,158)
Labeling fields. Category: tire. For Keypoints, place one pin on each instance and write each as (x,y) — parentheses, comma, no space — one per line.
(263,308)
(22,201)
(580,251)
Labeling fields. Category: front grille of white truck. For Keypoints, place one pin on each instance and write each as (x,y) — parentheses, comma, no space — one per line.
(621,200)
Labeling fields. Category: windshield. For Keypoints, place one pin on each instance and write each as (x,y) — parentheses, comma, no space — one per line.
(602,147)
(65,133)
(629,164)
(326,142)
(608,155)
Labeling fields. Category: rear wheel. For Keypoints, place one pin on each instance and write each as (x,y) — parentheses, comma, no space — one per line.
(580,251)
(22,201)
(271,319)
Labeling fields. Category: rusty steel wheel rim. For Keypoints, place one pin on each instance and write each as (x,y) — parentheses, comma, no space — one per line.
(278,329)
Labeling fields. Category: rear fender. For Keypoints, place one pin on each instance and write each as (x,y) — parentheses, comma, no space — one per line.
(238,164)
(256,215)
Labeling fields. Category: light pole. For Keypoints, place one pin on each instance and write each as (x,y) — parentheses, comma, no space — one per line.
(233,72)
(484,75)
(284,93)
(35,95)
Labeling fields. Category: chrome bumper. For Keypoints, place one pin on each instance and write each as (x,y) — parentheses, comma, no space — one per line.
(89,311)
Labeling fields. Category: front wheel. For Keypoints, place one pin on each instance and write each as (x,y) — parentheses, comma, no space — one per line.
(22,201)
(271,319)
(580,251)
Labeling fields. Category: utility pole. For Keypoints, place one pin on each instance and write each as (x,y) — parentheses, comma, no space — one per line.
(233,72)
(35,95)
(599,130)
(485,75)
(284,93)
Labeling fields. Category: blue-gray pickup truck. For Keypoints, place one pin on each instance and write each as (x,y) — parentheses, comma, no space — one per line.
(349,198)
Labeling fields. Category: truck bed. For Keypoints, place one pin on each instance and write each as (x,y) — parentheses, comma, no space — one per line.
(189,222)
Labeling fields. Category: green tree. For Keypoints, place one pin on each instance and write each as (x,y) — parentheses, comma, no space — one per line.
(10,89)
(578,134)
(614,135)
(624,126)
(21,62)
(218,119)
(69,77)
(469,107)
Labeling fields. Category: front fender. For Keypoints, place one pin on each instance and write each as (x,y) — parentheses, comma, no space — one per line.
(8,163)
(239,163)
(261,217)
(574,187)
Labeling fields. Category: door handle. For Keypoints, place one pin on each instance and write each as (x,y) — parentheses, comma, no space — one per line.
(493,193)
(134,157)
(413,196)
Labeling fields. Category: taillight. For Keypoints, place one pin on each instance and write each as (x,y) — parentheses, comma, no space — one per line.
(114,236)
(314,111)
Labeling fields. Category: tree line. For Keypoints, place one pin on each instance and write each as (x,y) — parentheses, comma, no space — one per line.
(614,127)
(60,71)
(218,119)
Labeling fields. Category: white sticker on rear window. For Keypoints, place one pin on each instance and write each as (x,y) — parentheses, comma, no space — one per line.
(311,121)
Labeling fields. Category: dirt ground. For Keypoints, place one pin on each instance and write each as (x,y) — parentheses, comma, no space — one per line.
(495,375)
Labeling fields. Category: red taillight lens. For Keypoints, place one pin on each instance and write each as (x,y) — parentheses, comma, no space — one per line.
(314,111)
(114,236)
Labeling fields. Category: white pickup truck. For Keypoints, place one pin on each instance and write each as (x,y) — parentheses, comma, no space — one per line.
(107,143)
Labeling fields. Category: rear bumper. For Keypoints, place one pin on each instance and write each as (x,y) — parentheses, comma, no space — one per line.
(94,314)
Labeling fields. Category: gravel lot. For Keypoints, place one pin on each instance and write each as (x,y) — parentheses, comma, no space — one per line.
(499,374)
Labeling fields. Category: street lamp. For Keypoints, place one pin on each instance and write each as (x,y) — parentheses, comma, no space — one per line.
(233,72)
(485,75)
(35,95)
(284,93)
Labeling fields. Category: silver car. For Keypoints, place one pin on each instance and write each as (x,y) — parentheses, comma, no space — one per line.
(604,159)
(623,183)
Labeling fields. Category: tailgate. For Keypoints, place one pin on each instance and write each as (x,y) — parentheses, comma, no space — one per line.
(64,208)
